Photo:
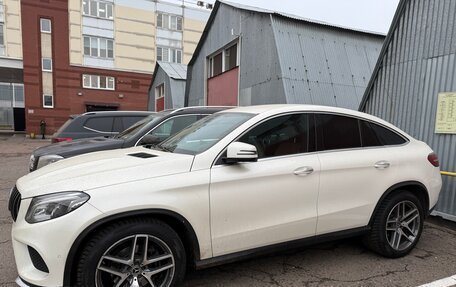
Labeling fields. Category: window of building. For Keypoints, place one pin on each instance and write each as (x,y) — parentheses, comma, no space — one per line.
(2,37)
(160,91)
(2,12)
(171,22)
(98,82)
(45,25)
(223,61)
(18,95)
(98,9)
(46,65)
(98,47)
(48,101)
(171,55)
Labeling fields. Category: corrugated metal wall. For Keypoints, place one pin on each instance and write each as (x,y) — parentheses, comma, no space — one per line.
(419,63)
(174,91)
(324,65)
(284,60)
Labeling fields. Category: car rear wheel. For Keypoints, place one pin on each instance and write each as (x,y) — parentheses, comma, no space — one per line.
(397,225)
(134,252)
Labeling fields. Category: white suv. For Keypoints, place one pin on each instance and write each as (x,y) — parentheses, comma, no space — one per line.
(238,183)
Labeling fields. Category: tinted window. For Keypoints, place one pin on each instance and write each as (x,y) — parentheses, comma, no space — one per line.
(129,121)
(368,135)
(102,124)
(280,136)
(118,125)
(386,136)
(337,132)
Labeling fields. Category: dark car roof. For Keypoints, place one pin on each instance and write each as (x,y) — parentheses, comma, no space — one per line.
(116,113)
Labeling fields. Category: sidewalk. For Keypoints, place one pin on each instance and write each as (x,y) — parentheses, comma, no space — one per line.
(19,144)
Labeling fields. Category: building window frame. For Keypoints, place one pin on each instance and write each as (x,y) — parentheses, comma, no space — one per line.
(95,44)
(224,54)
(43,26)
(171,22)
(160,91)
(106,13)
(44,67)
(89,82)
(51,106)
(169,54)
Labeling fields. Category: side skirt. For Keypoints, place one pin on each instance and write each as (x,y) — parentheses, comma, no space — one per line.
(270,249)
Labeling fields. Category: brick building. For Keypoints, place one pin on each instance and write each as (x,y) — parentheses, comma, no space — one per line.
(86,55)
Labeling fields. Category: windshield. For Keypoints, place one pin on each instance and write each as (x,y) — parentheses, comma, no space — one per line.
(204,133)
(131,131)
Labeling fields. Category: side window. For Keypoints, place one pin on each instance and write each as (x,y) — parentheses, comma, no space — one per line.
(386,136)
(118,126)
(102,124)
(283,135)
(130,120)
(337,132)
(368,135)
(376,135)
(169,128)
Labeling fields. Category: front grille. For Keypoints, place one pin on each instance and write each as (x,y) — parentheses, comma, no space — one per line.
(37,260)
(14,203)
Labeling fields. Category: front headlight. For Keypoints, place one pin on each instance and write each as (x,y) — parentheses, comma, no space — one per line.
(47,159)
(54,205)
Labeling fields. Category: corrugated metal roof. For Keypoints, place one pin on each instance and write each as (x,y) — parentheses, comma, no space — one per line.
(294,17)
(174,70)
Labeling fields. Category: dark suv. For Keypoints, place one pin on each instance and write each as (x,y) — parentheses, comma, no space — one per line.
(149,131)
(94,124)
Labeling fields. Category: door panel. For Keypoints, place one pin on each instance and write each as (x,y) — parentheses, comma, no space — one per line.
(262,203)
(350,186)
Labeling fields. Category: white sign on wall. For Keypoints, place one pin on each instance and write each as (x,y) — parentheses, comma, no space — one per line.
(445,122)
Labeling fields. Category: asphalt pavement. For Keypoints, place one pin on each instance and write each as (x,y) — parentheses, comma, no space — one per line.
(339,263)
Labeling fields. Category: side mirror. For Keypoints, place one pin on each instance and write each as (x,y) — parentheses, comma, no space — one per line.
(150,140)
(240,152)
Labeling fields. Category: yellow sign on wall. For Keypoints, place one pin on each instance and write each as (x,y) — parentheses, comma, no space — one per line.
(445,122)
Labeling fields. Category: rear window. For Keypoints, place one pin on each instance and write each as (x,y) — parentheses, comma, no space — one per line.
(386,136)
(129,121)
(99,124)
(65,125)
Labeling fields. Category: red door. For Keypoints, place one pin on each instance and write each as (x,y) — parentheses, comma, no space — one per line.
(160,104)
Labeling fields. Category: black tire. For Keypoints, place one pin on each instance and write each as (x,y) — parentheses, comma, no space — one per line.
(97,246)
(378,239)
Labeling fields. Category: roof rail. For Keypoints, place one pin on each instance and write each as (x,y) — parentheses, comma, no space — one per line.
(200,107)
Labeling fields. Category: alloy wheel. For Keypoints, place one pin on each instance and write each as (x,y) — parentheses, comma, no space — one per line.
(139,260)
(403,225)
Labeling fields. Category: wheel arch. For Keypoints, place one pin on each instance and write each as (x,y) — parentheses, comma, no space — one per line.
(414,187)
(176,221)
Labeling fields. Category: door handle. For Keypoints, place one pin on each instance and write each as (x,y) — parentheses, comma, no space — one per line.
(382,164)
(305,170)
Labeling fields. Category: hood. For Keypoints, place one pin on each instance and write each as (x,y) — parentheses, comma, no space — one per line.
(99,169)
(79,146)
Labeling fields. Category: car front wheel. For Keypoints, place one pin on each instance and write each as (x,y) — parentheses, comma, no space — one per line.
(134,252)
(397,225)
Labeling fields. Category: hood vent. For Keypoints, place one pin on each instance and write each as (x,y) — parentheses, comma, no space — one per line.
(142,155)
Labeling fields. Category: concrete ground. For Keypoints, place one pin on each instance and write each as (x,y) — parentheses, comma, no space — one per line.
(340,263)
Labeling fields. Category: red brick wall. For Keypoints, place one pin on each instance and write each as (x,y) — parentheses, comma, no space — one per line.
(67,79)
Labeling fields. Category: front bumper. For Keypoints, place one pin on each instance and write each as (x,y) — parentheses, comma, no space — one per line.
(51,239)
(22,283)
